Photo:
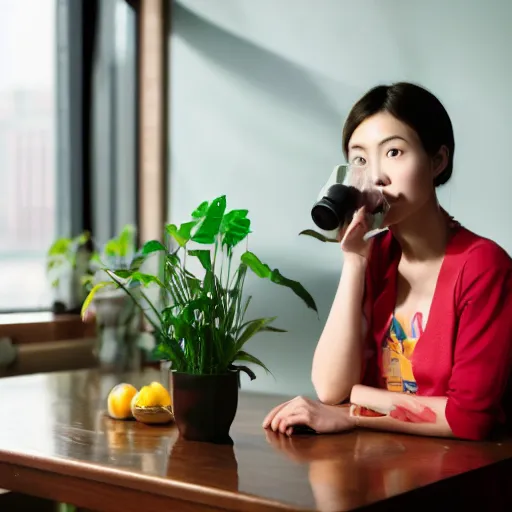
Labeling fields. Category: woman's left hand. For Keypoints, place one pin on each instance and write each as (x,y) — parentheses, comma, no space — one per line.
(319,417)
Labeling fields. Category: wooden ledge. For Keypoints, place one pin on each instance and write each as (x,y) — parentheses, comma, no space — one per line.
(44,327)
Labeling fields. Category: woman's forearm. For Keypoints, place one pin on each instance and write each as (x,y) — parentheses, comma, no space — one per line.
(338,355)
(397,412)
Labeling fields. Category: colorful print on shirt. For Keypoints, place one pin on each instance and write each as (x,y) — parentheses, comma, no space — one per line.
(397,350)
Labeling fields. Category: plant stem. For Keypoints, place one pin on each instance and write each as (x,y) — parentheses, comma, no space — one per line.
(175,290)
(215,254)
(230,257)
(110,273)
(239,316)
(145,297)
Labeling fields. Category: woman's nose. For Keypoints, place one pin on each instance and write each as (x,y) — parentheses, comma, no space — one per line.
(379,177)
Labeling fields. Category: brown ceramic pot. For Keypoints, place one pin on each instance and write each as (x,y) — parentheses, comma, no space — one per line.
(205,405)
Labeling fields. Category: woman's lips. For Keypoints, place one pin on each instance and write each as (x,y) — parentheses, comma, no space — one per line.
(389,198)
(375,202)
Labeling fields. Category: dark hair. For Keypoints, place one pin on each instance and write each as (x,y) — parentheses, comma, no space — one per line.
(414,106)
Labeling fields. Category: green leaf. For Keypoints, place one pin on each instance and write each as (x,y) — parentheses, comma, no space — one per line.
(124,274)
(55,261)
(245,369)
(111,248)
(173,259)
(186,229)
(244,356)
(242,313)
(235,227)
(170,349)
(87,281)
(235,314)
(135,275)
(67,246)
(172,230)
(92,293)
(204,257)
(318,236)
(299,290)
(209,227)
(95,258)
(82,238)
(209,283)
(59,247)
(232,215)
(164,352)
(181,235)
(271,328)
(249,329)
(201,305)
(194,285)
(254,263)
(200,211)
(168,314)
(147,279)
(179,324)
(176,278)
(263,270)
(152,246)
(126,240)
(137,262)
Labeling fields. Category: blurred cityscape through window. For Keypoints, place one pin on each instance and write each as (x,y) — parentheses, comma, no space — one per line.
(28,206)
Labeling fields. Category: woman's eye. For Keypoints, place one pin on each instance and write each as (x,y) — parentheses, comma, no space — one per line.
(393,153)
(359,160)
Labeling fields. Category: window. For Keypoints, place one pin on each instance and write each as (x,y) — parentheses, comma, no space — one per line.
(68,126)
(28,206)
(113,109)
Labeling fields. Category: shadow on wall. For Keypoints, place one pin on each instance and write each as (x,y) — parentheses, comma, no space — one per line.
(293,87)
(290,86)
(288,119)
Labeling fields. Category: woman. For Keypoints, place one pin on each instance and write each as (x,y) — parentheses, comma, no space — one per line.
(419,337)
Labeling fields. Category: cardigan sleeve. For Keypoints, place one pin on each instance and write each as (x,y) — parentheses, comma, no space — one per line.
(482,354)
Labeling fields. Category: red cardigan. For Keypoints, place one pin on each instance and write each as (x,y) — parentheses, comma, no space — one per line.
(465,352)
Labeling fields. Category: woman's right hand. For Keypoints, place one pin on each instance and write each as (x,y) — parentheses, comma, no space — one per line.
(351,239)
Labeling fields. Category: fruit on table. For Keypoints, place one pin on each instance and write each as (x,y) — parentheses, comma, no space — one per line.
(152,404)
(119,401)
(153,395)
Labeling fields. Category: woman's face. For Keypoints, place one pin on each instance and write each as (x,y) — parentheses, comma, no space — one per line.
(392,153)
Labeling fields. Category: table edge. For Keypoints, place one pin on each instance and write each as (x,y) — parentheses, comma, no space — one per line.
(162,486)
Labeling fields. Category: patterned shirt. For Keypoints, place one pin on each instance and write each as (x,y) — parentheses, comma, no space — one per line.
(397,350)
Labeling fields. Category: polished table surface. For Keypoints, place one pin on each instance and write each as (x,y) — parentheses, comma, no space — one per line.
(57,442)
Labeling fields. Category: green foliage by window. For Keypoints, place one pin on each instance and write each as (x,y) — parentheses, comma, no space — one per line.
(201,327)
(62,253)
(117,253)
(121,247)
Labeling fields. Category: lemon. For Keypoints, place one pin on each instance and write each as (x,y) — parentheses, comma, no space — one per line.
(119,401)
(153,395)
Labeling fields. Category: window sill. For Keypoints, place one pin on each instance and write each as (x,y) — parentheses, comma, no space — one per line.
(44,327)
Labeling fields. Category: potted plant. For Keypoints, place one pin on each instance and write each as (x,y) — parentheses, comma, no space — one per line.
(67,264)
(201,325)
(117,319)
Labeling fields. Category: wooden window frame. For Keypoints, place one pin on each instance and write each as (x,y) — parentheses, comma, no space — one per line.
(152,49)
(43,327)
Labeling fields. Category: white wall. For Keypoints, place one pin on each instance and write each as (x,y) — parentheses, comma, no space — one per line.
(259,93)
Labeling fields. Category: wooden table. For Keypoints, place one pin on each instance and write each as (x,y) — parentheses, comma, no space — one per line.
(56,442)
